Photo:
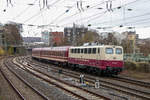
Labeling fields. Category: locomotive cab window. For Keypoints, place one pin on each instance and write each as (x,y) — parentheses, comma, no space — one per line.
(109,50)
(118,51)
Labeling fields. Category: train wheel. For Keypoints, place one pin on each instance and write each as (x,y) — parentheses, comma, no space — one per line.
(116,73)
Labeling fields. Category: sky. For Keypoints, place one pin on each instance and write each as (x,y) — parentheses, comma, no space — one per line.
(103,15)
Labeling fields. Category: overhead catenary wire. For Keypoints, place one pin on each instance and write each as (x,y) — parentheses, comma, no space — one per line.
(9,2)
(134,23)
(98,15)
(66,11)
(91,18)
(68,17)
(45,4)
(39,12)
(25,10)
(128,18)
(113,9)
(55,19)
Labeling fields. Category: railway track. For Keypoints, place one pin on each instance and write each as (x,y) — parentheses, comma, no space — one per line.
(12,85)
(133,81)
(76,91)
(125,89)
(7,65)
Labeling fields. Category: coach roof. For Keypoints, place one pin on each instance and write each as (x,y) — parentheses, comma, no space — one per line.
(64,48)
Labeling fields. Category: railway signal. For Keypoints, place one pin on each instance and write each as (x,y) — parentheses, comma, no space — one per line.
(82,79)
(97,84)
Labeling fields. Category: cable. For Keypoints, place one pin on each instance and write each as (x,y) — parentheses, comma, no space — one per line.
(68,17)
(21,13)
(127,18)
(9,2)
(134,23)
(113,9)
(38,12)
(57,18)
(101,12)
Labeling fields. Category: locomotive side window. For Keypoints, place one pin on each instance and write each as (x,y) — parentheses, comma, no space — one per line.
(89,50)
(85,50)
(82,50)
(71,50)
(94,50)
(109,50)
(118,51)
(98,50)
(75,51)
(78,50)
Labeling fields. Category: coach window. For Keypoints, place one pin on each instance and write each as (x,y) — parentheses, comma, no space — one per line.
(89,50)
(94,50)
(109,50)
(85,50)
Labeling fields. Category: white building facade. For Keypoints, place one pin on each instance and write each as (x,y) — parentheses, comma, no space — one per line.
(45,37)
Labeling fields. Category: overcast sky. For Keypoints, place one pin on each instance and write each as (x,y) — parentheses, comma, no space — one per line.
(62,13)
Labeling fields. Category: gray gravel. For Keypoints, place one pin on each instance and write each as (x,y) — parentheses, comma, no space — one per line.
(50,91)
(104,91)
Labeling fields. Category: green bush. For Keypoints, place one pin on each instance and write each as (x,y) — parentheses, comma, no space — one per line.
(129,65)
(143,67)
(137,66)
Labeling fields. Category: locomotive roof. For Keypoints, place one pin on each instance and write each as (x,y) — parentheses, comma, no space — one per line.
(64,48)
(97,46)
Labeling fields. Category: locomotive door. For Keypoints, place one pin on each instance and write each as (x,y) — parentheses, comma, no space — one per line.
(98,56)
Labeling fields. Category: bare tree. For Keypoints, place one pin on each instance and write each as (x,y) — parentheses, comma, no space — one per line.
(12,34)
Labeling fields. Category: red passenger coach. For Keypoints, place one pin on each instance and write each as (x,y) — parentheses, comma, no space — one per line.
(55,54)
